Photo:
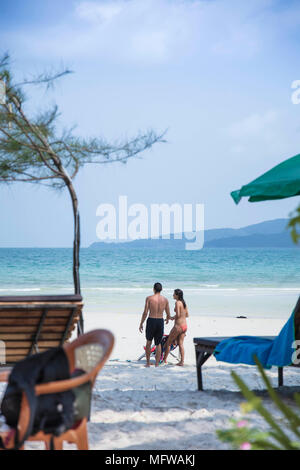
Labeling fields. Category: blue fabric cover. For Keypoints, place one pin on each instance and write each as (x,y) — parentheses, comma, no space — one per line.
(277,352)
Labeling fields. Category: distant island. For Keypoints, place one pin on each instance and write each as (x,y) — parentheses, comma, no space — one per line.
(268,234)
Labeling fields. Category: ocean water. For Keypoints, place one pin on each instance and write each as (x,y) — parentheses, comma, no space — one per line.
(252,282)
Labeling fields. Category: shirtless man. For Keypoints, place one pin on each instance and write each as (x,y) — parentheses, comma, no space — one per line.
(156,305)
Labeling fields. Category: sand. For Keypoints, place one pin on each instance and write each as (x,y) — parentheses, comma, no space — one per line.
(160,408)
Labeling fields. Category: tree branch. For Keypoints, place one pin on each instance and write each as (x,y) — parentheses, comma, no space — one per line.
(37,148)
(49,79)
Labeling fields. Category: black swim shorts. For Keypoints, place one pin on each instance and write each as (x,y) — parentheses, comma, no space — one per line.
(155,329)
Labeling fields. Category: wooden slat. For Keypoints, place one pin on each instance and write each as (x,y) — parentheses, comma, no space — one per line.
(32,321)
(18,351)
(27,344)
(41,298)
(34,313)
(28,336)
(32,328)
(20,314)
(27,332)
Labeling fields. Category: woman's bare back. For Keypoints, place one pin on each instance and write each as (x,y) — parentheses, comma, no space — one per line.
(181,313)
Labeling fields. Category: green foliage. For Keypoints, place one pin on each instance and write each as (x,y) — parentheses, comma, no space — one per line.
(294,224)
(243,437)
(33,150)
(282,433)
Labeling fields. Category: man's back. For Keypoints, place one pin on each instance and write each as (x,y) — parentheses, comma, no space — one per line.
(157,304)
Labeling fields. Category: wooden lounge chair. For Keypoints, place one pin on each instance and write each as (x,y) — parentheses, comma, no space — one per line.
(89,353)
(204,348)
(33,324)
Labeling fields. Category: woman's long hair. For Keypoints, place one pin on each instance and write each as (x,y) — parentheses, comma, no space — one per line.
(179,294)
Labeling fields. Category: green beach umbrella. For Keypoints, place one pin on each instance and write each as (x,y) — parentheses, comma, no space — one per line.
(278,183)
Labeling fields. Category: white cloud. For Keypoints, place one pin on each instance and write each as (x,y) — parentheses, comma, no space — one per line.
(150,31)
(151,43)
(139,31)
(95,12)
(254,125)
(263,135)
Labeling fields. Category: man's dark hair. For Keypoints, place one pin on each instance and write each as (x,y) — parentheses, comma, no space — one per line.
(157,287)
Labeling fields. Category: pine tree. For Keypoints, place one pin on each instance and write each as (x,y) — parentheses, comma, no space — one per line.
(33,150)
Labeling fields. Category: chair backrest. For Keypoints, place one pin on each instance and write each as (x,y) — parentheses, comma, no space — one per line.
(32,324)
(89,352)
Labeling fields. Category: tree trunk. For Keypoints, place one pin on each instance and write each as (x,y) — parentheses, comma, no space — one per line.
(76,247)
(76,243)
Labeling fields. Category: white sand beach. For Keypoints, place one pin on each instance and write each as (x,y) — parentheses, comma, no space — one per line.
(160,408)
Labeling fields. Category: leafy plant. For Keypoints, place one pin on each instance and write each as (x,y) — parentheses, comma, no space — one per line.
(282,434)
(294,224)
(243,437)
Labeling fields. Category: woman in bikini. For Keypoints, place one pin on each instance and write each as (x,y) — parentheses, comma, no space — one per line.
(178,331)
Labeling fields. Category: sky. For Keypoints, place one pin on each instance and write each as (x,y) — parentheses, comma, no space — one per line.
(216,74)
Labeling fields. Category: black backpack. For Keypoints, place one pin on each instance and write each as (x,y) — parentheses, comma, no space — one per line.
(53,413)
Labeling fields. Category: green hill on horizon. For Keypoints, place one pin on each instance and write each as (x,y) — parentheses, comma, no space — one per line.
(267,234)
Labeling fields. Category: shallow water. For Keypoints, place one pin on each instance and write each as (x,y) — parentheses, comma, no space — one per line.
(215,281)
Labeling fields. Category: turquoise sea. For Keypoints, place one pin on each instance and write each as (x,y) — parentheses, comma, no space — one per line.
(251,282)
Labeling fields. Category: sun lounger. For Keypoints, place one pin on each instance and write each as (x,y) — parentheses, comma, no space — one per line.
(270,350)
(204,348)
(31,324)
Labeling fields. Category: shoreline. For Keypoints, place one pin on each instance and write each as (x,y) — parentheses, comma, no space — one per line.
(130,342)
(270,304)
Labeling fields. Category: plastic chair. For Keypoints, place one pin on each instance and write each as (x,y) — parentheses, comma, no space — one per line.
(87,353)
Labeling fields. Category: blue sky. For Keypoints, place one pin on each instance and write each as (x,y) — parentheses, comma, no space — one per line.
(216,74)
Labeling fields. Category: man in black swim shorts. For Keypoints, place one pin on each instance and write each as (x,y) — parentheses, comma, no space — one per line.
(155,305)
